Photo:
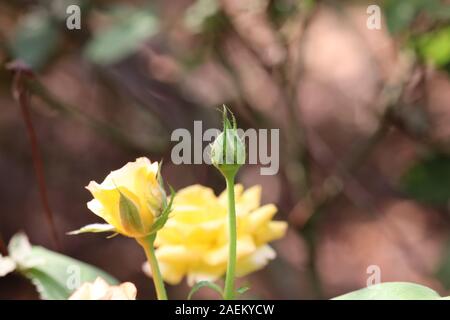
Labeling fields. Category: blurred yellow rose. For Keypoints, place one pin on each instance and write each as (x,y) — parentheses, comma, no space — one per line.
(194,243)
(101,290)
(129,198)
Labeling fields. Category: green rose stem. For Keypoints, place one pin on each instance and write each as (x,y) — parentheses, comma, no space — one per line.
(231,267)
(147,244)
(228,155)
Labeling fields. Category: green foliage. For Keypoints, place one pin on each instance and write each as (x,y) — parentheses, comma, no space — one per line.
(199,12)
(242,290)
(54,275)
(202,284)
(434,47)
(51,275)
(392,291)
(438,10)
(132,28)
(401,14)
(36,38)
(429,180)
(280,10)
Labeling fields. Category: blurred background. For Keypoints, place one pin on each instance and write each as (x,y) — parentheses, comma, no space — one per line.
(364,119)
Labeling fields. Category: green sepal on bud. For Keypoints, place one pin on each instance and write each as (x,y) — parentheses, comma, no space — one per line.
(166,207)
(228,150)
(129,215)
(164,216)
(163,203)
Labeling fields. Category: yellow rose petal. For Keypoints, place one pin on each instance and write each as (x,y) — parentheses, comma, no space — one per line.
(261,216)
(172,273)
(175,254)
(250,199)
(256,261)
(245,246)
(272,231)
(194,241)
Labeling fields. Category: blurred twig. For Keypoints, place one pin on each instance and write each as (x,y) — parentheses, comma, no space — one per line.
(289,75)
(22,95)
(297,171)
(106,130)
(317,201)
(390,101)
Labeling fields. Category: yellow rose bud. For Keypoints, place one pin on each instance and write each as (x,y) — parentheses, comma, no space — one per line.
(130,198)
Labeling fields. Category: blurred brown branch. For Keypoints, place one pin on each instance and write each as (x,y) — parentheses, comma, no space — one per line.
(108,131)
(22,96)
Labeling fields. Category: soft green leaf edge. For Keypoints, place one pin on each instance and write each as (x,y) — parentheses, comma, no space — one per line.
(202,284)
(94,228)
(392,291)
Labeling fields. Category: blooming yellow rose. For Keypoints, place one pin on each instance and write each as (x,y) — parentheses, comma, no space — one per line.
(194,243)
(101,290)
(130,198)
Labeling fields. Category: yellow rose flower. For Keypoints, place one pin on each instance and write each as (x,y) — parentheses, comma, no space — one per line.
(194,243)
(130,198)
(101,290)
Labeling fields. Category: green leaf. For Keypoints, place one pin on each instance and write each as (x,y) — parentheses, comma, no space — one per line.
(95,227)
(198,13)
(36,38)
(392,291)
(437,10)
(242,290)
(429,180)
(202,284)
(123,38)
(434,47)
(401,14)
(47,287)
(55,275)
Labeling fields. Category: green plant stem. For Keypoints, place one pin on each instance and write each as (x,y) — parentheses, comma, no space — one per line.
(231,267)
(147,244)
